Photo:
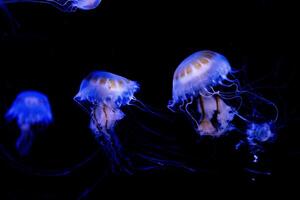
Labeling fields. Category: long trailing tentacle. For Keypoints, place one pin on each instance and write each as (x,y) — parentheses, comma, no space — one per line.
(25,141)
(146,108)
(111,145)
(62,5)
(18,165)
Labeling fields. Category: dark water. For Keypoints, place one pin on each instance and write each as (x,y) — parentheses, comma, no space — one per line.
(50,51)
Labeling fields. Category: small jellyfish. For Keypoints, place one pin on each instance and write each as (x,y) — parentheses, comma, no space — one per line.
(105,93)
(30,109)
(196,81)
(259,133)
(63,5)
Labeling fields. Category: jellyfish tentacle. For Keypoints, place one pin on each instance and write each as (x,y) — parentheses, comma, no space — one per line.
(14,24)
(145,107)
(108,139)
(65,6)
(188,112)
(231,84)
(268,102)
(25,140)
(214,92)
(160,162)
(242,117)
(207,92)
(181,105)
(171,104)
(104,139)
(252,171)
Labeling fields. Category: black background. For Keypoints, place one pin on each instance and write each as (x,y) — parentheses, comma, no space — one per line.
(51,51)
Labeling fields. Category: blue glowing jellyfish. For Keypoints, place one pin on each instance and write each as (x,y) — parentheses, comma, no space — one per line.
(63,5)
(29,109)
(195,81)
(206,81)
(257,135)
(204,87)
(105,93)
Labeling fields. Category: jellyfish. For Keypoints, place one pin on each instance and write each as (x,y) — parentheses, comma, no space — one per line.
(195,81)
(259,133)
(105,93)
(30,109)
(205,88)
(63,5)
(206,80)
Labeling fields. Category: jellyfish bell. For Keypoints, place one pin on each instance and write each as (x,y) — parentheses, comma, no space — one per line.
(30,107)
(195,81)
(198,73)
(107,88)
(104,94)
(63,5)
(87,4)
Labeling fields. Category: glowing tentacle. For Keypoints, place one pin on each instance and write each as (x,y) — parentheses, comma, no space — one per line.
(25,140)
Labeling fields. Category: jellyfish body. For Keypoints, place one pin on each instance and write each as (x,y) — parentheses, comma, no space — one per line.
(29,109)
(105,93)
(205,81)
(63,5)
(259,133)
(195,81)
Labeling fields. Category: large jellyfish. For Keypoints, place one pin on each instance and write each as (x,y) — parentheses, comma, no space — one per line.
(204,87)
(205,79)
(195,81)
(30,109)
(63,5)
(105,93)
